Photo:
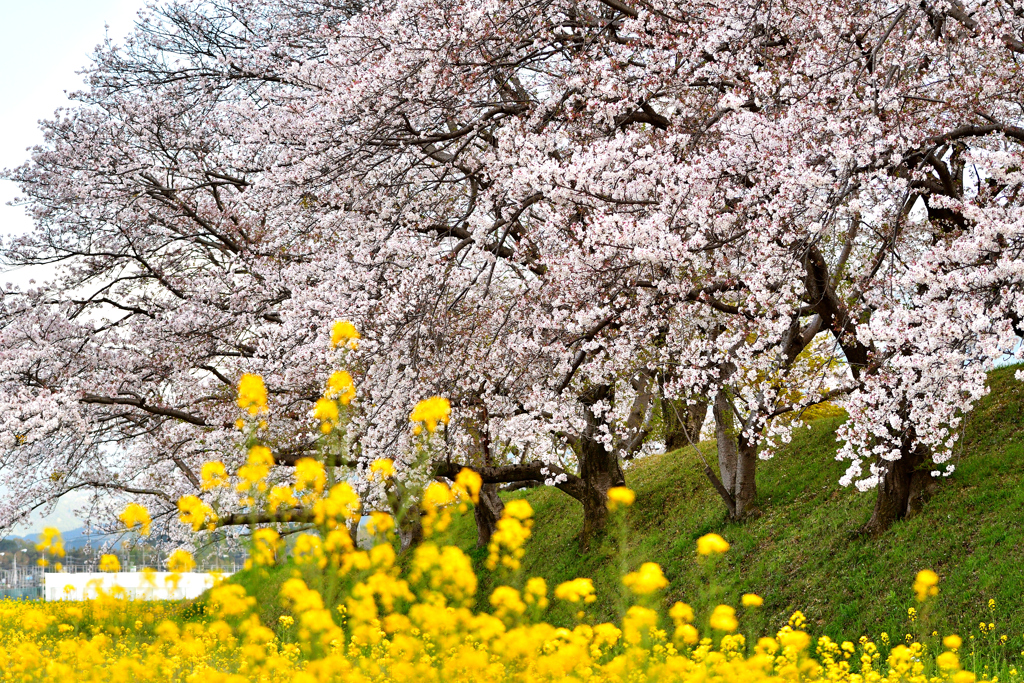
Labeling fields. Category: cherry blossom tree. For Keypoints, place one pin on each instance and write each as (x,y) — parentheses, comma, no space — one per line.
(549,213)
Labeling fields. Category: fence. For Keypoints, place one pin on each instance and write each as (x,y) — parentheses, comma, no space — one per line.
(21,583)
(202,567)
(26,583)
(132,585)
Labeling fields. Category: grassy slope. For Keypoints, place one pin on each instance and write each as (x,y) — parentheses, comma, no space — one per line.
(804,552)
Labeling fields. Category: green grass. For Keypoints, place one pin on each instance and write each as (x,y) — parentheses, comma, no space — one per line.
(805,552)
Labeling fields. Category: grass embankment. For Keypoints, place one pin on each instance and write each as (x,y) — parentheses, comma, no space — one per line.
(805,551)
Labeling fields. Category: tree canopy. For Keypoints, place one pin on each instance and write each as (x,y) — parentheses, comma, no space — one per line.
(552,213)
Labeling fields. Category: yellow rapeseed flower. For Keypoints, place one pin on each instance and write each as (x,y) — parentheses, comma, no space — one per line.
(796,641)
(384,467)
(214,475)
(519,509)
(181,561)
(51,542)
(681,613)
(341,505)
(341,387)
(437,495)
(256,469)
(326,410)
(507,600)
(36,620)
(437,515)
(109,563)
(380,523)
(953,642)
(948,661)
(230,600)
(513,529)
(640,622)
(536,592)
(620,496)
(712,544)
(647,580)
(723,618)
(751,600)
(469,482)
(343,331)
(576,590)
(195,513)
(431,411)
(135,515)
(265,544)
(310,474)
(281,496)
(926,584)
(687,634)
(252,394)
(416,620)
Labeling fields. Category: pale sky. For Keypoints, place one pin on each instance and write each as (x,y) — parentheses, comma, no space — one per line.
(42,44)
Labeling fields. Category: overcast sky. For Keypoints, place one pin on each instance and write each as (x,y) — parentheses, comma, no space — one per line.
(42,44)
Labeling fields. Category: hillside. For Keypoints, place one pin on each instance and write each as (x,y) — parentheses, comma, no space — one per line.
(74,539)
(805,551)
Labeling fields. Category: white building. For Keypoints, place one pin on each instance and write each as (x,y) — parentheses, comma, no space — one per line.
(135,585)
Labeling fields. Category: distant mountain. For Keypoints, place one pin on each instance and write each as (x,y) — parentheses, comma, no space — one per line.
(73,539)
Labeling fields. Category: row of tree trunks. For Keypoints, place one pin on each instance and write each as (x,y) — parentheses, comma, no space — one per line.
(902,489)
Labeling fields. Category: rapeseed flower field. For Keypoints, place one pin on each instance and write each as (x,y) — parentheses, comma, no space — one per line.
(369,615)
(416,623)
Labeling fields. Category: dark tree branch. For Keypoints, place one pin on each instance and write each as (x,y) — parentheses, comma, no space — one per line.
(141,404)
(506,474)
(298,515)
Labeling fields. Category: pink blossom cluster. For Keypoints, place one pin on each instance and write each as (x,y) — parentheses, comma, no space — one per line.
(552,213)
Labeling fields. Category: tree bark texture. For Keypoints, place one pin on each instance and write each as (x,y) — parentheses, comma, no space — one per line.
(725,436)
(901,489)
(410,532)
(487,513)
(737,459)
(489,507)
(599,471)
(682,421)
(744,483)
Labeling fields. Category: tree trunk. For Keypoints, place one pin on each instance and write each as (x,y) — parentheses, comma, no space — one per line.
(410,531)
(487,513)
(696,414)
(595,516)
(682,421)
(408,524)
(922,486)
(600,470)
(894,492)
(725,435)
(737,460)
(745,485)
(489,507)
(353,531)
